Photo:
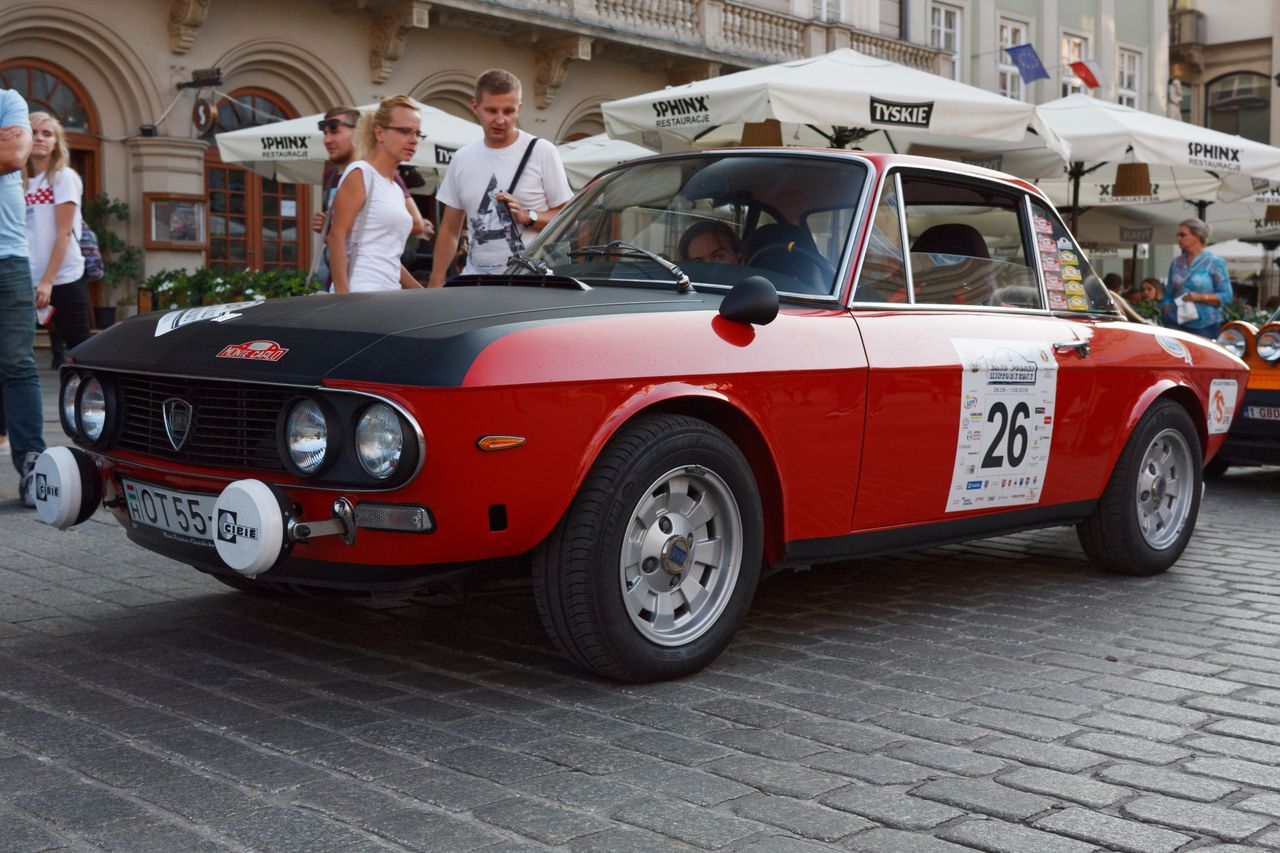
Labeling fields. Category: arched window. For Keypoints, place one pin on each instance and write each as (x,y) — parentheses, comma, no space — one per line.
(254,222)
(1240,103)
(51,89)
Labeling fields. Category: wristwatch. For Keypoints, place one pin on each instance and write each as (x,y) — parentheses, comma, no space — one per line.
(533,216)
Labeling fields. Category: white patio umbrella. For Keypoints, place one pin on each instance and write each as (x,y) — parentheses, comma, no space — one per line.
(838,99)
(585,158)
(1182,160)
(293,150)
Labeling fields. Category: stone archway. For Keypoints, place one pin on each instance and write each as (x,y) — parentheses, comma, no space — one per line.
(585,119)
(301,77)
(450,91)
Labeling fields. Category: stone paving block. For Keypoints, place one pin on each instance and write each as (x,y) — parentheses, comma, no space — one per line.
(801,817)
(1064,786)
(1112,832)
(447,789)
(1016,723)
(268,771)
(498,765)
(1224,823)
(779,844)
(497,730)
(620,841)
(1236,708)
(18,833)
(670,747)
(854,736)
(747,713)
(1267,804)
(133,836)
(949,758)
(287,736)
(1036,705)
(927,728)
(1166,780)
(997,836)
(876,769)
(1124,746)
(1136,726)
(125,766)
(1127,686)
(691,785)
(79,807)
(542,822)
(579,790)
(769,744)
(685,823)
(358,760)
(1234,747)
(890,807)
(775,777)
(900,841)
(1235,770)
(1163,712)
(1064,758)
(684,721)
(985,797)
(22,775)
(836,707)
(332,714)
(420,829)
(591,757)
(285,830)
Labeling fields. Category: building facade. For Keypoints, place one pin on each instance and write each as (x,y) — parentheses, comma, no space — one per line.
(119,75)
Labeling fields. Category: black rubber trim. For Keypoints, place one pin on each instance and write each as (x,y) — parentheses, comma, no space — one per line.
(920,536)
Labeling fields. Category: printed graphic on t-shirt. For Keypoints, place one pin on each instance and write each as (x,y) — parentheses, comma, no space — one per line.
(44,195)
(492,222)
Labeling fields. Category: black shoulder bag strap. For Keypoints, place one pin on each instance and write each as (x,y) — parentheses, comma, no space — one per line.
(514,243)
(528,149)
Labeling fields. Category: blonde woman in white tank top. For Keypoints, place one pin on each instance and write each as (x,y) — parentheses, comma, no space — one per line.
(370,223)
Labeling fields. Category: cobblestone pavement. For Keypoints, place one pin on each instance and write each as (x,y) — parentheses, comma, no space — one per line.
(999,696)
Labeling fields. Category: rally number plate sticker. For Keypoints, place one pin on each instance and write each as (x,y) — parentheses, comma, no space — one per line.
(1007,395)
(185,516)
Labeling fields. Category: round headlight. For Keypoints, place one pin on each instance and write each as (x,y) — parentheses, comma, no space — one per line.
(1269,344)
(68,403)
(1233,340)
(306,435)
(92,411)
(379,440)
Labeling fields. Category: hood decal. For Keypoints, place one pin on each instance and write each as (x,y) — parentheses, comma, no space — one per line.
(254,351)
(186,316)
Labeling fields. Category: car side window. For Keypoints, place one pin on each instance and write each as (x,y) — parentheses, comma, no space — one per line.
(883,277)
(966,244)
(1069,280)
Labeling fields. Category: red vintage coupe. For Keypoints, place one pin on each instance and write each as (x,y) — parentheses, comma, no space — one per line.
(708,364)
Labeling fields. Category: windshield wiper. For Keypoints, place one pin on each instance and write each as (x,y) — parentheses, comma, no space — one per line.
(532,264)
(622,247)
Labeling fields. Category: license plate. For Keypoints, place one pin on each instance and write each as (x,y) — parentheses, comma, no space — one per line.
(1262,413)
(183,514)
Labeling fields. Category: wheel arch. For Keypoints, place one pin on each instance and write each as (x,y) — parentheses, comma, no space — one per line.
(1164,389)
(718,410)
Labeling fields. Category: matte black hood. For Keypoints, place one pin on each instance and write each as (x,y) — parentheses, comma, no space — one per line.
(411,337)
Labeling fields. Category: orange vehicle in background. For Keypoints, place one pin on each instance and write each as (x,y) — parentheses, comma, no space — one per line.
(1254,438)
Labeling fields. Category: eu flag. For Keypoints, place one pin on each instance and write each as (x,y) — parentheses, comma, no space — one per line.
(1030,68)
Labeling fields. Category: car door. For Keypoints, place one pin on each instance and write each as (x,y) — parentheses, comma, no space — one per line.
(978,393)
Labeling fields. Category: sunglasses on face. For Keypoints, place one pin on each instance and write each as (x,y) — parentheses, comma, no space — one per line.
(407,131)
(332,124)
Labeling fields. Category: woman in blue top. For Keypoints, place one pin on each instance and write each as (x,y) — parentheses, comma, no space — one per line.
(1199,278)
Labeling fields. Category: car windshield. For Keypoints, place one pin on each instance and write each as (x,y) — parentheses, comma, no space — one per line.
(720,217)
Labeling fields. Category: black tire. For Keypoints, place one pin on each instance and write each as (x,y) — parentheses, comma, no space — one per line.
(581,571)
(1216,467)
(1124,533)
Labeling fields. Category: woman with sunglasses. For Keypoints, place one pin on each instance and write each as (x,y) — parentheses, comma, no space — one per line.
(370,222)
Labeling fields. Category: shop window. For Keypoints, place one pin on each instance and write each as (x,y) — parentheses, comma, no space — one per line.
(254,221)
(1240,103)
(50,89)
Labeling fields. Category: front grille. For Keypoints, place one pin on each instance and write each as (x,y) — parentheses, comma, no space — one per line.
(233,423)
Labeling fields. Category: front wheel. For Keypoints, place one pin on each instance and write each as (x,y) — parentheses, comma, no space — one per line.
(652,568)
(1148,510)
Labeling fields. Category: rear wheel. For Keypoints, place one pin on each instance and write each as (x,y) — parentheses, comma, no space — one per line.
(652,568)
(1148,510)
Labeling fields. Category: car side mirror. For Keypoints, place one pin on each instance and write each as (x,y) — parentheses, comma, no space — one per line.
(754,300)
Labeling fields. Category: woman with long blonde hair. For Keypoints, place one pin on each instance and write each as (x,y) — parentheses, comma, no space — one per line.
(54,225)
(370,221)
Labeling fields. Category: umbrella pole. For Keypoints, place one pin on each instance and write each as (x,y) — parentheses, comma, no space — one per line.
(1076,173)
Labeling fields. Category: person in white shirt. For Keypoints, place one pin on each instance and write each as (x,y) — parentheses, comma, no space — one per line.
(54,224)
(370,221)
(478,187)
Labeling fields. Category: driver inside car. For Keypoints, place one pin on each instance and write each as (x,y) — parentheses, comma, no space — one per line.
(711,242)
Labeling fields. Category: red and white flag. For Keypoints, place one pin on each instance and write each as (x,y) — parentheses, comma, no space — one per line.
(1088,71)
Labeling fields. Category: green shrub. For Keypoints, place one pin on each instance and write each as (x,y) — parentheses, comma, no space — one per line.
(203,286)
(1237,310)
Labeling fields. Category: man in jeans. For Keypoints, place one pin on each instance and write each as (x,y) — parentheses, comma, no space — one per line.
(22,409)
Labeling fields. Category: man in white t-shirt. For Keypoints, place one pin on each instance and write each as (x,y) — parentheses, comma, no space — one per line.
(475,187)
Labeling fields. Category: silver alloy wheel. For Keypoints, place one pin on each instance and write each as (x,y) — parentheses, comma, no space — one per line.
(681,555)
(1165,489)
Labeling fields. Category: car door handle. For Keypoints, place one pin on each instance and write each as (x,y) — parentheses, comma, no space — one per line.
(1081,347)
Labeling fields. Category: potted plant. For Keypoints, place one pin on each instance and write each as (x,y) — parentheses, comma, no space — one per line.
(121,263)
